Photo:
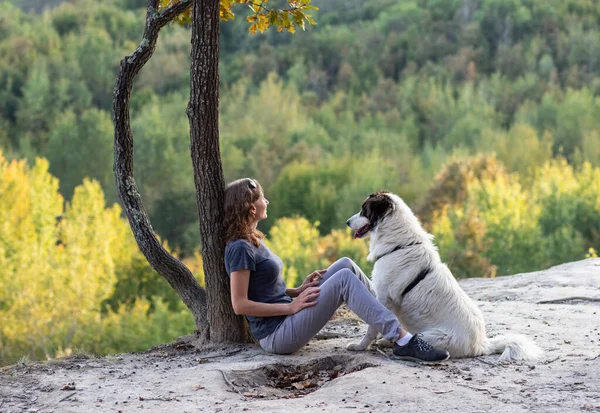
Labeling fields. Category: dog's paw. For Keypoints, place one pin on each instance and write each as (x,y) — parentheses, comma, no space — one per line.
(355,347)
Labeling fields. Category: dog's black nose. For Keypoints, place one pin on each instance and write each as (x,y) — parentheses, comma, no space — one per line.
(348,222)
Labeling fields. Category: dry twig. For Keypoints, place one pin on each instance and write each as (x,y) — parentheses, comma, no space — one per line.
(222,355)
(562,300)
(67,397)
(474,388)
(230,384)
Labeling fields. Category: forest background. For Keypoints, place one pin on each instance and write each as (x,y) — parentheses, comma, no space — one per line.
(484,115)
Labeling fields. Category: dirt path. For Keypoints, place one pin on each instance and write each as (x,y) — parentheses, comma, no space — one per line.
(559,308)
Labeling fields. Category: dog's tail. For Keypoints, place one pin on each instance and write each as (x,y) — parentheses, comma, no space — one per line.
(514,347)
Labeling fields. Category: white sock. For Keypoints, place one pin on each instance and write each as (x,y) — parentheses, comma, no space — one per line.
(402,341)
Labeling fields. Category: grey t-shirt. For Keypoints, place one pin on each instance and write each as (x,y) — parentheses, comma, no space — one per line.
(266,281)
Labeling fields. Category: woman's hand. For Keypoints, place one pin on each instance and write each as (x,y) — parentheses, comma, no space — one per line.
(307,298)
(312,280)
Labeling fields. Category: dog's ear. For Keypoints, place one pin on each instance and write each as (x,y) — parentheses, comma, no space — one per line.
(377,206)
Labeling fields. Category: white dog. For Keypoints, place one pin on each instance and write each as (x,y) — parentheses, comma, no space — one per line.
(410,279)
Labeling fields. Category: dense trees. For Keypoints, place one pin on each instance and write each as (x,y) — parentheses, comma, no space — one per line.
(498,227)
(482,114)
(62,265)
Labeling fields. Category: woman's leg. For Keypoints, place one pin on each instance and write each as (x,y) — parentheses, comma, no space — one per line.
(338,287)
(347,263)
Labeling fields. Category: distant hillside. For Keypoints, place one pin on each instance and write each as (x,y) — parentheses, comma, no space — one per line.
(37,5)
(409,96)
(481,114)
(41,5)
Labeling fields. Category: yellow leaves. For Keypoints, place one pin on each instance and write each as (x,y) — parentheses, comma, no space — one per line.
(501,226)
(255,6)
(294,240)
(225,12)
(283,19)
(309,19)
(196,266)
(263,17)
(298,17)
(57,267)
(260,22)
(183,18)
(14,190)
(166,3)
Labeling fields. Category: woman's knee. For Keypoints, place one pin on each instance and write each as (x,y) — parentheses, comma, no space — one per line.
(344,275)
(345,262)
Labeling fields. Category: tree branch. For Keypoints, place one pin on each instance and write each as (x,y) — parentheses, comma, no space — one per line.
(173,270)
(169,13)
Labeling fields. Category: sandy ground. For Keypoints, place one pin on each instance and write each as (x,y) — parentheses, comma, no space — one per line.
(559,308)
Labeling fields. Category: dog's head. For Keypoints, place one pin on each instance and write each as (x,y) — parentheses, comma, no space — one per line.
(376,207)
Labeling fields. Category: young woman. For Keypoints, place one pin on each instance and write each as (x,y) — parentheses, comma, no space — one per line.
(280,324)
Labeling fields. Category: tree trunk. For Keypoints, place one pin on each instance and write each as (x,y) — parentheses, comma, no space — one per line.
(203,114)
(177,274)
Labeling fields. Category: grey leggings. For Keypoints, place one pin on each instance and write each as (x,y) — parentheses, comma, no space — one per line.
(343,282)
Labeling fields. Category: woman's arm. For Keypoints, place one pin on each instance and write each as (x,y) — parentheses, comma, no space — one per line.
(311,281)
(243,306)
(292,292)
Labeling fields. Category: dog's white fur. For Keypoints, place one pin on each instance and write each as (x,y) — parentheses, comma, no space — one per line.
(437,307)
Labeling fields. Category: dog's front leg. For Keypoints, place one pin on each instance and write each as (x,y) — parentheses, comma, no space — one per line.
(365,342)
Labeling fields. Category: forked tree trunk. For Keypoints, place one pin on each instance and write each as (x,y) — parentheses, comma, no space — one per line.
(177,274)
(203,114)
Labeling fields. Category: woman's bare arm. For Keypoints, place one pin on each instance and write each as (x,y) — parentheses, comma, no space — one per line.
(243,306)
(292,292)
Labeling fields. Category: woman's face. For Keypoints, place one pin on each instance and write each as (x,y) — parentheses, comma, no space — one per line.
(259,208)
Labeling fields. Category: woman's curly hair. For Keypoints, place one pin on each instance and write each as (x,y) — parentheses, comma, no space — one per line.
(239,221)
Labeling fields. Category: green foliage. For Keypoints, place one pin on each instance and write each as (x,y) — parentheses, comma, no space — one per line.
(61,263)
(461,107)
(132,329)
(298,243)
(269,128)
(450,188)
(99,62)
(136,281)
(309,189)
(66,19)
(82,146)
(519,149)
(379,95)
(294,240)
(501,228)
(570,202)
(338,244)
(32,117)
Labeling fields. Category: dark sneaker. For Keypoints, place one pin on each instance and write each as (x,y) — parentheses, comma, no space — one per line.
(418,349)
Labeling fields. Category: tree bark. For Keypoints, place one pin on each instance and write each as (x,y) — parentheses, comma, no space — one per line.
(203,114)
(177,274)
